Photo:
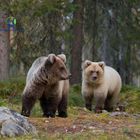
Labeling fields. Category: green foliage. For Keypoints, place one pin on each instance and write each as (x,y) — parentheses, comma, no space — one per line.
(37,111)
(11,87)
(3,102)
(75,97)
(11,91)
(43,21)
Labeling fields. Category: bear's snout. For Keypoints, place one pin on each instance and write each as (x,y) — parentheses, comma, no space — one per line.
(66,77)
(94,76)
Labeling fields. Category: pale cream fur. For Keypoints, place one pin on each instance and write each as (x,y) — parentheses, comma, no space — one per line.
(108,84)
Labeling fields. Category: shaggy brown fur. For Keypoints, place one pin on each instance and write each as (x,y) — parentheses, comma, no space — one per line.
(47,80)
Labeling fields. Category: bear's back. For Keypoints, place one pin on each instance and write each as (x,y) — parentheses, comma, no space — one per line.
(35,66)
(112,78)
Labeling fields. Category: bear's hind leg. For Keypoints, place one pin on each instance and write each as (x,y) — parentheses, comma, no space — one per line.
(111,102)
(27,105)
(62,107)
(107,105)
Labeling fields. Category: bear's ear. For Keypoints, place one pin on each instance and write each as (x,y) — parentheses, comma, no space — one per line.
(101,64)
(51,59)
(62,57)
(86,64)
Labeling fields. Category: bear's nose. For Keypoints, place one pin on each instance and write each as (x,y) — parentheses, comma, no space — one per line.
(67,77)
(94,78)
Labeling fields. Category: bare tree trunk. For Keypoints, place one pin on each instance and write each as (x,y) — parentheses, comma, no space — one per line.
(4,53)
(105,51)
(93,51)
(77,42)
(90,30)
(54,20)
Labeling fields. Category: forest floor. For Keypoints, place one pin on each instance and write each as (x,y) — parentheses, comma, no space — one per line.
(80,124)
(84,125)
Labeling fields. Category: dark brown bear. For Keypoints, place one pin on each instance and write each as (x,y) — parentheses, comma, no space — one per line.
(47,80)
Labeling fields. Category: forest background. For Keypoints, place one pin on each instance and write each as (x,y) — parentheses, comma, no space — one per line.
(97,30)
(82,29)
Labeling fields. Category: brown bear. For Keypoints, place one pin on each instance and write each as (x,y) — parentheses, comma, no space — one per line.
(103,83)
(47,80)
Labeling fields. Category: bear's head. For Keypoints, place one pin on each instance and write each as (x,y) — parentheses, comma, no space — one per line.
(56,68)
(93,71)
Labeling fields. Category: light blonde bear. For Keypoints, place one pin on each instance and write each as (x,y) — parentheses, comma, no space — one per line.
(103,83)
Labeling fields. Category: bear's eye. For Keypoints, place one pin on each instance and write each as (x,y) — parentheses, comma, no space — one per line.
(91,71)
(97,72)
(61,68)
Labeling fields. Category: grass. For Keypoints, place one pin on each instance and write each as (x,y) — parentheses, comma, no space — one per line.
(125,127)
(78,136)
(130,97)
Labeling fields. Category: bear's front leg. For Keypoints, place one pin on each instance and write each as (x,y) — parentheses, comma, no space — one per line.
(88,101)
(49,106)
(27,105)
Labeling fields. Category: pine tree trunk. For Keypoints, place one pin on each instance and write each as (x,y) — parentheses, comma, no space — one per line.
(4,53)
(77,42)
(90,30)
(54,20)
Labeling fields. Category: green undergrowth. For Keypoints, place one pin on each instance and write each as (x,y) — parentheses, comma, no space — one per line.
(75,97)
(12,87)
(130,98)
(11,91)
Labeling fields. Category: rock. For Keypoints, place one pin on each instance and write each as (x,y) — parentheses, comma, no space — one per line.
(14,124)
(10,128)
(136,116)
(105,111)
(113,114)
